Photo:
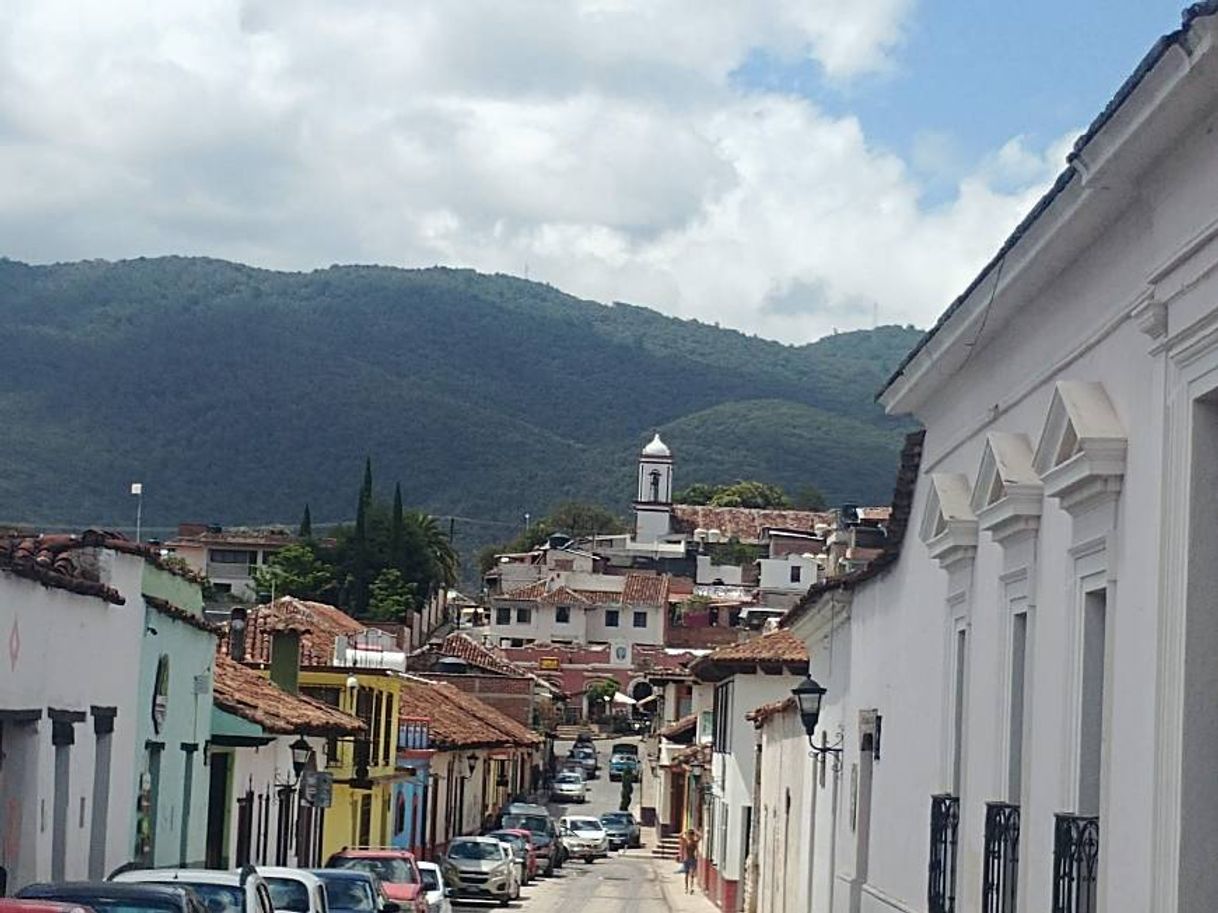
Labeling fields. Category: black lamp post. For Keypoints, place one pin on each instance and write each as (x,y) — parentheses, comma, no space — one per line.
(301,752)
(809,694)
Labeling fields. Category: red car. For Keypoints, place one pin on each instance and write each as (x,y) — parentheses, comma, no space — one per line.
(395,868)
(9,905)
(520,839)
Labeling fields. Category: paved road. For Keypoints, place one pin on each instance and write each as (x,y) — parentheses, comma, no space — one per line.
(626,882)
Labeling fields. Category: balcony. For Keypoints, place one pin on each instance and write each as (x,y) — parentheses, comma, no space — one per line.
(413,733)
(941,881)
(1076,856)
(1000,875)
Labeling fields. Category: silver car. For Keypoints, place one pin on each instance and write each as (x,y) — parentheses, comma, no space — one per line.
(585,838)
(569,787)
(481,867)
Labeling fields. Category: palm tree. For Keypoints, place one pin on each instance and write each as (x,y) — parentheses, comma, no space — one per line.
(444,560)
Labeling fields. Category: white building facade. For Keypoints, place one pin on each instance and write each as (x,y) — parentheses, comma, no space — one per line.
(1022,697)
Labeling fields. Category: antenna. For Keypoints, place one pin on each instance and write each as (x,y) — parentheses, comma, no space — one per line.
(137,489)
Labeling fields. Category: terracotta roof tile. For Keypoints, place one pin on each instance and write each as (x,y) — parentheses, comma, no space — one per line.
(758,715)
(745,523)
(245,693)
(680,727)
(465,647)
(319,625)
(773,651)
(646,589)
(460,720)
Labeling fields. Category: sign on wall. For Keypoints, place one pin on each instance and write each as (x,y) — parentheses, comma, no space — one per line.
(549,664)
(317,788)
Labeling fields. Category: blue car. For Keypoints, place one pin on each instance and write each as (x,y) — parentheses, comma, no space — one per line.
(620,763)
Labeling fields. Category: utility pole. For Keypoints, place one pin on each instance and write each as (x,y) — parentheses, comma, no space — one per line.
(137,489)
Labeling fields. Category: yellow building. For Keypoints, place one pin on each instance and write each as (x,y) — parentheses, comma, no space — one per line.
(354,669)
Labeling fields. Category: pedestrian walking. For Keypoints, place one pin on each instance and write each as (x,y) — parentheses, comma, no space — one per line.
(688,848)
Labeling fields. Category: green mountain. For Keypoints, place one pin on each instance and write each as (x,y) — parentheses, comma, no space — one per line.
(237,394)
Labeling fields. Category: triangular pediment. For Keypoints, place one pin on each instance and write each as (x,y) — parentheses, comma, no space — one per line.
(1006,469)
(1080,416)
(949,526)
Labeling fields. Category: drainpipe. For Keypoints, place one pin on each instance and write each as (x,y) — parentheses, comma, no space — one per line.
(753,863)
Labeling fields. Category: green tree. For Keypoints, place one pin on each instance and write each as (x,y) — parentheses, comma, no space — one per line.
(397,532)
(390,598)
(306,524)
(444,563)
(809,497)
(698,494)
(577,518)
(748,493)
(295,570)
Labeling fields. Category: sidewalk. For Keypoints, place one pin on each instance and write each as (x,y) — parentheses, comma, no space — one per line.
(672,884)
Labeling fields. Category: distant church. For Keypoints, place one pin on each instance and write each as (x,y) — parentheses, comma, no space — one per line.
(653,498)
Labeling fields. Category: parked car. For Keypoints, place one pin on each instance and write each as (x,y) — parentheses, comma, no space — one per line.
(351,891)
(294,890)
(586,756)
(620,763)
(108,897)
(585,837)
(569,787)
(222,892)
(622,829)
(625,748)
(481,867)
(396,869)
(584,737)
(545,835)
(12,905)
(433,888)
(521,842)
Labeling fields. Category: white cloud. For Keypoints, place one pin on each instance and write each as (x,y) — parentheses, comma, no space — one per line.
(600,142)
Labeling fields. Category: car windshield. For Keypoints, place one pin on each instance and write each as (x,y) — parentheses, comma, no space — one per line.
(569,778)
(218,898)
(618,818)
(536,824)
(515,840)
(584,824)
(289,894)
(474,849)
(431,880)
(347,894)
(386,868)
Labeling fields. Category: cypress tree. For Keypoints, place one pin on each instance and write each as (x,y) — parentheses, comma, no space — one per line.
(397,531)
(306,524)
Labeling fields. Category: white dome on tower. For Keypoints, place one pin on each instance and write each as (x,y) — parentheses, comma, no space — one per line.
(657,448)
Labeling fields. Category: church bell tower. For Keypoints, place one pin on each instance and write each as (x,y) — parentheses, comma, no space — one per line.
(653,496)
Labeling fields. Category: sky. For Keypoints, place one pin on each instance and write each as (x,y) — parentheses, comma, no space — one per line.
(787,168)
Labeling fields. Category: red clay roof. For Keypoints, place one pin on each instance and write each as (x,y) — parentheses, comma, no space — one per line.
(458,719)
(319,625)
(646,589)
(52,560)
(245,693)
(167,608)
(465,647)
(680,727)
(638,589)
(777,650)
(745,523)
(758,715)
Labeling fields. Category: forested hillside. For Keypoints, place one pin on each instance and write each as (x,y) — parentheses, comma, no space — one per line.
(237,394)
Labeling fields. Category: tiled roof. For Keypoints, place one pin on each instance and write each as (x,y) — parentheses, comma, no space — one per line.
(465,647)
(320,625)
(183,615)
(681,727)
(758,715)
(50,560)
(646,589)
(460,720)
(777,650)
(245,693)
(898,524)
(745,523)
(687,756)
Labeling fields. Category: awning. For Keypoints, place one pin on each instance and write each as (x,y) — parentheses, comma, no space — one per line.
(619,698)
(655,696)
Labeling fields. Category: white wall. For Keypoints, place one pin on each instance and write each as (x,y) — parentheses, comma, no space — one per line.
(776,573)
(266,768)
(708,573)
(72,653)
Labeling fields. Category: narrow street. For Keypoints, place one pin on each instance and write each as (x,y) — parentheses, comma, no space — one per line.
(629,881)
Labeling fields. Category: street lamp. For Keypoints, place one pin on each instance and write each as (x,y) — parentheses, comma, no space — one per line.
(301,752)
(809,694)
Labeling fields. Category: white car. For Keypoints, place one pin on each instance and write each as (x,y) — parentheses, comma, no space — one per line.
(569,787)
(433,886)
(221,892)
(584,838)
(294,890)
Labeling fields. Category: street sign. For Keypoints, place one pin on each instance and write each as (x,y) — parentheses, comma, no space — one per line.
(548,664)
(317,788)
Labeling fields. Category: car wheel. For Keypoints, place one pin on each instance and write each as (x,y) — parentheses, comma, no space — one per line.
(589,859)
